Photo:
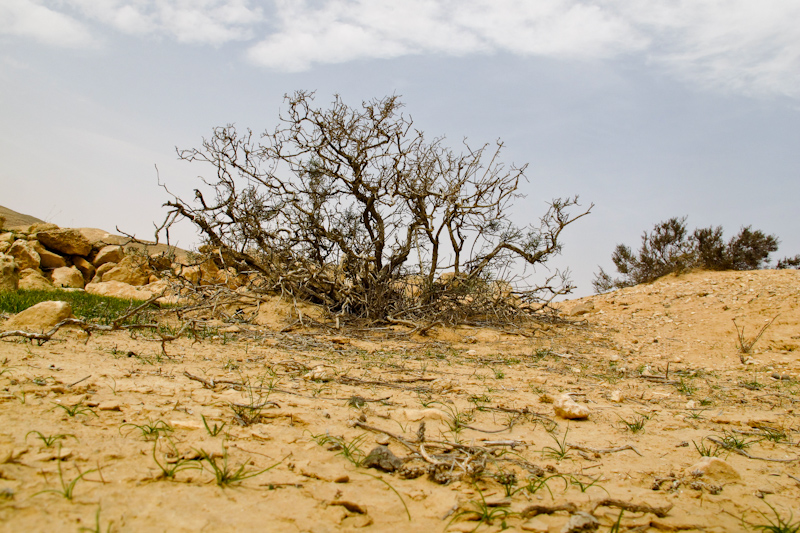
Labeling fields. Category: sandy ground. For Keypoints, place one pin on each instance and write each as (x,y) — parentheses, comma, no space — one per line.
(664,354)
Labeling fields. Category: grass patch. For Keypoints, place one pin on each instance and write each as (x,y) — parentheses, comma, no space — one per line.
(90,307)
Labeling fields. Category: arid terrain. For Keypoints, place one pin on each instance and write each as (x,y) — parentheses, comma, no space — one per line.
(110,430)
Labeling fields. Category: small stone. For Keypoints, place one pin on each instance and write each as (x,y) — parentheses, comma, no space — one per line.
(691,404)
(614,358)
(713,469)
(383,440)
(110,405)
(581,522)
(342,479)
(319,373)
(565,407)
(617,396)
(382,458)
(415,415)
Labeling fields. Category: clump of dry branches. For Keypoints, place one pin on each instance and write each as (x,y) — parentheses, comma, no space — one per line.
(352,208)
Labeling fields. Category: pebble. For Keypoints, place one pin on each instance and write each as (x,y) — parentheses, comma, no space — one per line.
(565,407)
(617,396)
(713,469)
(581,522)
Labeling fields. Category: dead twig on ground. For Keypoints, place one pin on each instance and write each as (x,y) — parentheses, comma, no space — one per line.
(533,510)
(660,512)
(604,450)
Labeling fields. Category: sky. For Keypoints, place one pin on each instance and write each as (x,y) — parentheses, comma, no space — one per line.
(648,110)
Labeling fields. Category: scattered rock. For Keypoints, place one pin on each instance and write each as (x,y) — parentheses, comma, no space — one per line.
(581,522)
(67,277)
(66,241)
(40,317)
(713,469)
(567,408)
(382,458)
(617,396)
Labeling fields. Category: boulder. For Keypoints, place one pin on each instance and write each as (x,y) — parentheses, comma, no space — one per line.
(9,273)
(713,469)
(108,254)
(118,289)
(133,270)
(33,280)
(24,254)
(48,259)
(42,226)
(7,237)
(4,246)
(67,277)
(40,317)
(86,268)
(566,407)
(66,241)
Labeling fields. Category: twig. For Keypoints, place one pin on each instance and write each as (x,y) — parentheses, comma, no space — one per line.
(398,438)
(82,379)
(533,510)
(604,450)
(660,512)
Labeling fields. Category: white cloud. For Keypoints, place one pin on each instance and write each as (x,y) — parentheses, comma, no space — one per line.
(188,21)
(26,18)
(737,45)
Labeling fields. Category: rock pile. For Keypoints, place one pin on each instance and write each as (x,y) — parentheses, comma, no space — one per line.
(46,257)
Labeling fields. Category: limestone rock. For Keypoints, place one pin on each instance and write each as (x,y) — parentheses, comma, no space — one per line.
(713,469)
(118,289)
(42,226)
(67,277)
(617,396)
(320,373)
(7,237)
(133,270)
(24,254)
(109,254)
(66,241)
(582,309)
(86,268)
(33,280)
(101,270)
(566,407)
(9,273)
(47,259)
(581,522)
(40,317)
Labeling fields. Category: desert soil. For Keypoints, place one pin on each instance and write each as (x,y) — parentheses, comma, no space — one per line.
(663,354)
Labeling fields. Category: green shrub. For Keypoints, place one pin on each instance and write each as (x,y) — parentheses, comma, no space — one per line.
(670,248)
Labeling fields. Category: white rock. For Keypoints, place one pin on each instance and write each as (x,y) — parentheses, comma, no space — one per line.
(617,396)
(320,373)
(566,407)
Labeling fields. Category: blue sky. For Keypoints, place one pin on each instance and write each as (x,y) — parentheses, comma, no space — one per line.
(647,109)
